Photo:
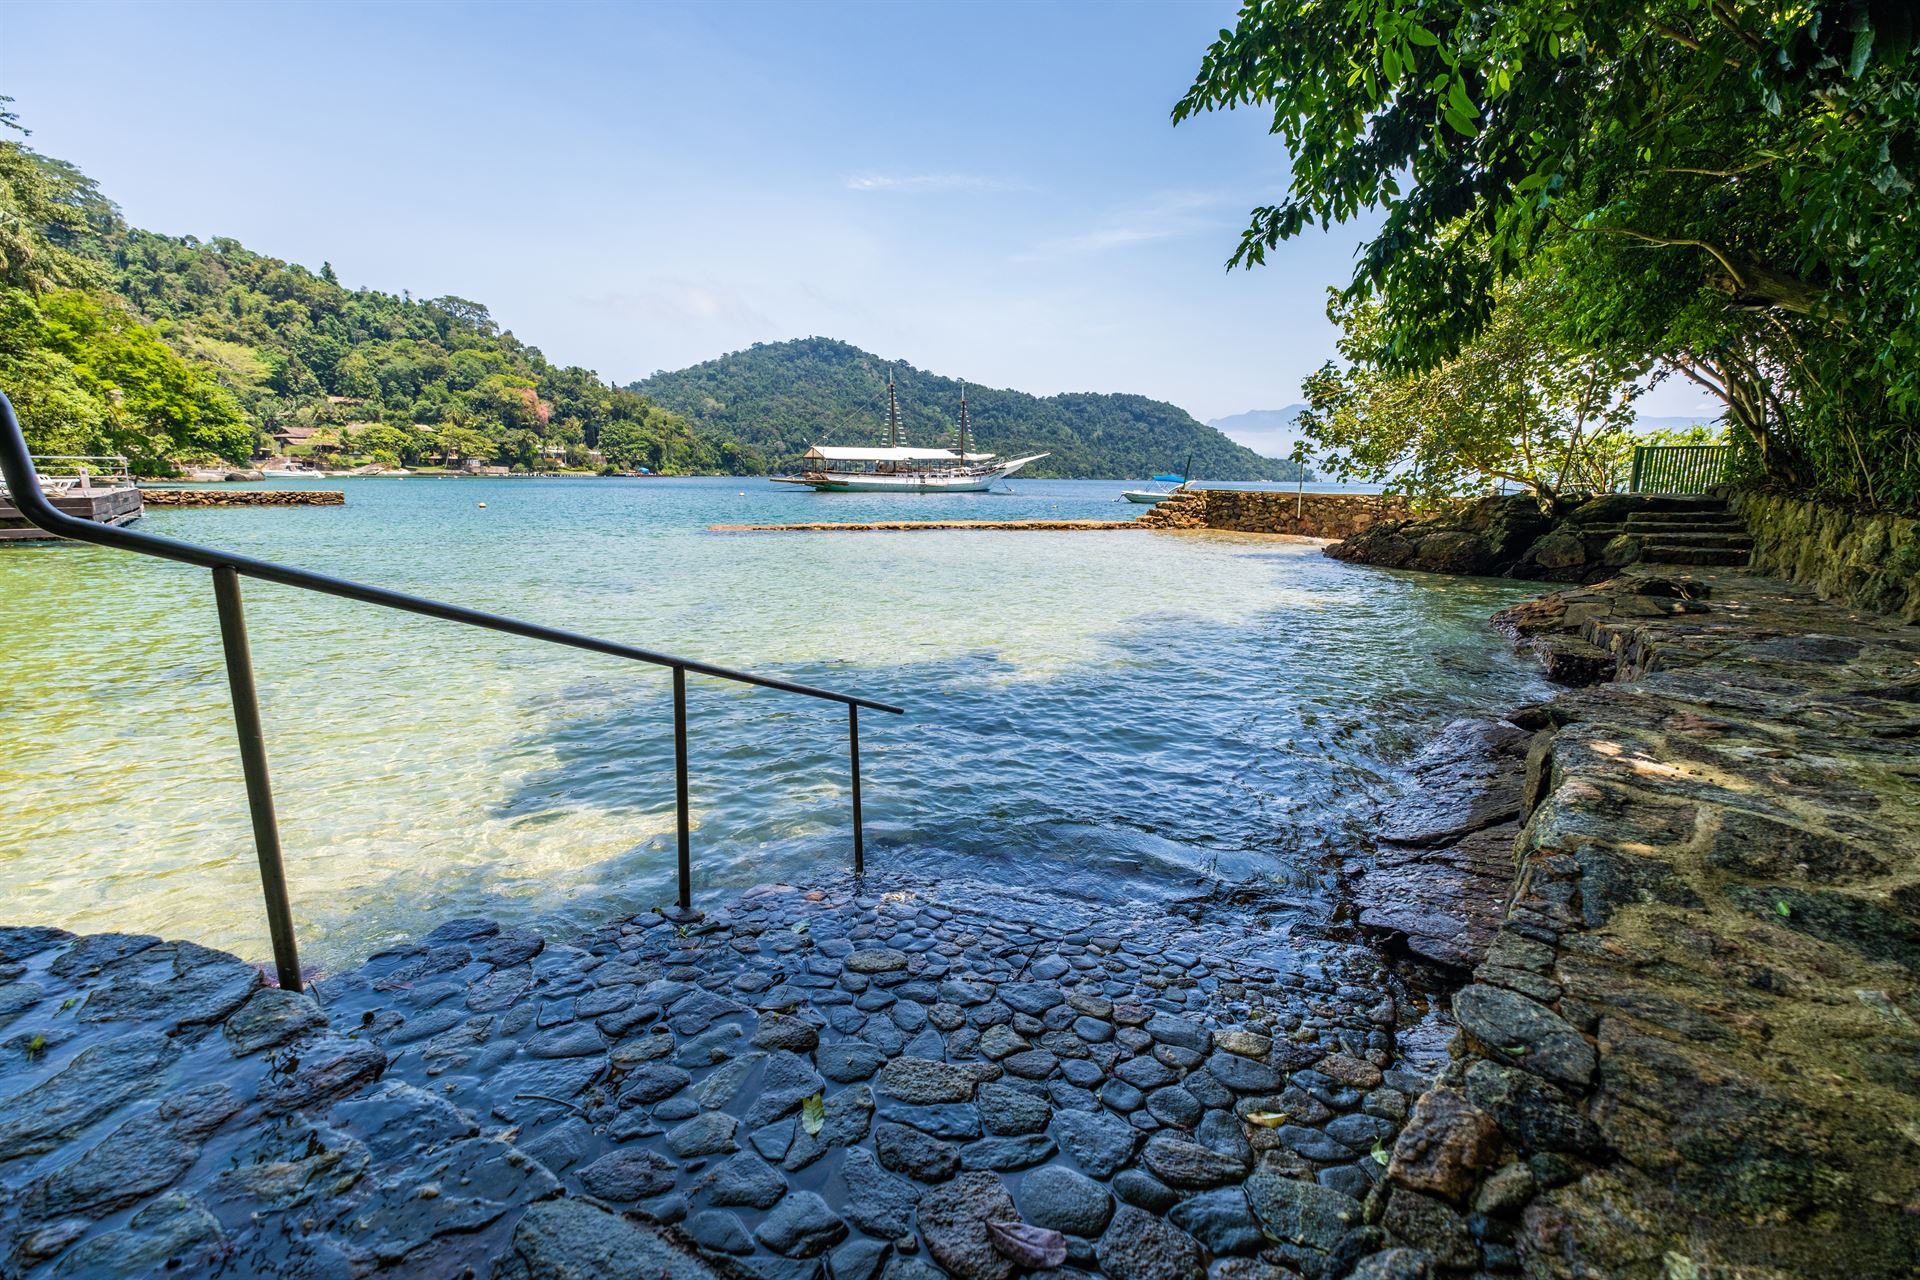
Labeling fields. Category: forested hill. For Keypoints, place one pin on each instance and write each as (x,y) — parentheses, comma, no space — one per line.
(783,397)
(173,350)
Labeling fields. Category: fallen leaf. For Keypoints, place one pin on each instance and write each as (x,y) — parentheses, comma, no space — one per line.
(1034,1247)
(1268,1119)
(813,1114)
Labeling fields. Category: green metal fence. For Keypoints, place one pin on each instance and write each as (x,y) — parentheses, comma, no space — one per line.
(1677,468)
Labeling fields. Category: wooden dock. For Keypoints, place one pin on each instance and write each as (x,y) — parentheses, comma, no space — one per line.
(917,526)
(108,506)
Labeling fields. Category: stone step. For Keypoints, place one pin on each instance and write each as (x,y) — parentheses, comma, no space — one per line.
(1638,524)
(1667,504)
(1735,538)
(1690,553)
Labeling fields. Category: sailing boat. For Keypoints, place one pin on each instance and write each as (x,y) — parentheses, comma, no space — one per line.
(901,468)
(1151,496)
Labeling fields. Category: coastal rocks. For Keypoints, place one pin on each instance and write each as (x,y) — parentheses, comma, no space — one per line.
(736,1081)
(271,1017)
(953,1220)
(919,1156)
(1444,1144)
(1464,779)
(98,1080)
(1221,1220)
(1441,876)
(1658,1028)
(626,1175)
(1584,541)
(801,1226)
(1139,1246)
(878,1203)
(1098,1142)
(1483,538)
(1181,1163)
(921,1081)
(139,1158)
(1065,1201)
(570,1240)
(1304,1214)
(1529,1035)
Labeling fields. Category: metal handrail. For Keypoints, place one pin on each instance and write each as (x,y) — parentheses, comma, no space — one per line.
(1677,469)
(23,480)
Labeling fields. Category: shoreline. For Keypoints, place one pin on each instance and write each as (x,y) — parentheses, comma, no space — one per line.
(1620,1035)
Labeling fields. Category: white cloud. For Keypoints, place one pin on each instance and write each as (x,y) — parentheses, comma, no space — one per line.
(1167,216)
(930,182)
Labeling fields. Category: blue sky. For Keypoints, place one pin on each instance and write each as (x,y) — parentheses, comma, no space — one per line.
(990,190)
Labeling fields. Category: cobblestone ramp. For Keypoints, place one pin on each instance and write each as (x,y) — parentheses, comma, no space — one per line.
(803,1083)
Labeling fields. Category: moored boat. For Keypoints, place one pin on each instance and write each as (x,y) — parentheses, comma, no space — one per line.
(1148,497)
(900,468)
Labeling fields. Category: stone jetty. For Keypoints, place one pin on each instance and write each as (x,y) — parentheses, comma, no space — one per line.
(158,497)
(916,526)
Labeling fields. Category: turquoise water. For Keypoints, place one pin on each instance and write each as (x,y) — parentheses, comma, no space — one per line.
(1109,713)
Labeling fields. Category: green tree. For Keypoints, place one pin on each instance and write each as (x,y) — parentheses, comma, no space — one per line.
(1515,403)
(1758,158)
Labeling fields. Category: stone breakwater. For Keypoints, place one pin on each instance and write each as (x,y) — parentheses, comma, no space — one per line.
(1312,515)
(804,1083)
(243,497)
(1691,1045)
(913,526)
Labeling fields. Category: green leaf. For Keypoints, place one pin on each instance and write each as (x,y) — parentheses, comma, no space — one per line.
(1862,47)
(1458,100)
(813,1114)
(1783,908)
(1421,36)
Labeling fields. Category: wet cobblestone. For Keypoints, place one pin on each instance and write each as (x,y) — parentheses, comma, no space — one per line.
(776,1089)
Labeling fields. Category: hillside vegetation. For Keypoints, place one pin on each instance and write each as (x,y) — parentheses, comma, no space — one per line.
(173,350)
(783,397)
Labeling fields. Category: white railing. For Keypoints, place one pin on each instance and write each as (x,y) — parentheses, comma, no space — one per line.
(65,472)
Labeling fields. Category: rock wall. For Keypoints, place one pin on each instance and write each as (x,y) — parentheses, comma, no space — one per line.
(1312,515)
(1866,559)
(1690,1048)
(243,497)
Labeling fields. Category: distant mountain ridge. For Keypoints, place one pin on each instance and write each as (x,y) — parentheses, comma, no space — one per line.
(1269,432)
(784,397)
(1272,432)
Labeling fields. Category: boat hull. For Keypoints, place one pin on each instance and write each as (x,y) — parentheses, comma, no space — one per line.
(973,480)
(895,484)
(1144,496)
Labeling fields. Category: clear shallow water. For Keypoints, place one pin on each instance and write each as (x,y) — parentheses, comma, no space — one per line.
(1112,713)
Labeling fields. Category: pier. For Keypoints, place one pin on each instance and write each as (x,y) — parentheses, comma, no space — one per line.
(100,489)
(915,526)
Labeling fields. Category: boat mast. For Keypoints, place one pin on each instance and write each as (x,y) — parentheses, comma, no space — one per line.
(893,414)
(963,422)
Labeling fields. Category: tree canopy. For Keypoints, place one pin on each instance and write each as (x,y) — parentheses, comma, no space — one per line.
(1727,184)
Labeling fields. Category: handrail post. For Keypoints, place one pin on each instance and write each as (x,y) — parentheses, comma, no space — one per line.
(680,786)
(253,763)
(853,751)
